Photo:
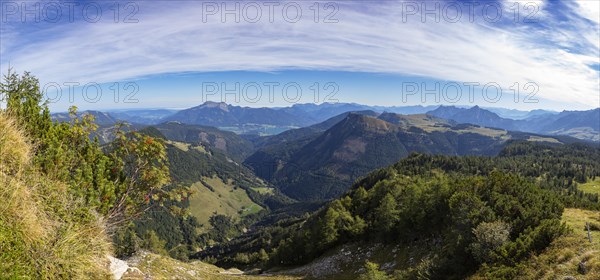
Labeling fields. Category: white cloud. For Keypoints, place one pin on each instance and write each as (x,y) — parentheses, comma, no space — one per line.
(589,9)
(174,39)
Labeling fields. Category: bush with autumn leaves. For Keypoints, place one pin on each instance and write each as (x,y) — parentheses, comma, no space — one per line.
(108,185)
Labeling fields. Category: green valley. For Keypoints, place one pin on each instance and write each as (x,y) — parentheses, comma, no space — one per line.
(213,196)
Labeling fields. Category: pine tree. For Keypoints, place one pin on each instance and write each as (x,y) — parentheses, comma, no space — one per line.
(372,272)
(328,228)
(387,214)
(152,243)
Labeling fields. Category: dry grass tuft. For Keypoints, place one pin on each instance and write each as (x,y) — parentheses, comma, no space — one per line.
(14,151)
(44,232)
(564,255)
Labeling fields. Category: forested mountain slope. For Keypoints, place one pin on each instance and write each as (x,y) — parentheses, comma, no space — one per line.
(230,143)
(323,165)
(448,217)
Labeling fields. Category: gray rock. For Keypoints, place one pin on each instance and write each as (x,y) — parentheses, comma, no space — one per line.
(582,268)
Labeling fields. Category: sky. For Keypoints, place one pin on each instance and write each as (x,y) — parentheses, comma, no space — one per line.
(178,54)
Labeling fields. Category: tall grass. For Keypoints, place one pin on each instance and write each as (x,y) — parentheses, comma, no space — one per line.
(44,232)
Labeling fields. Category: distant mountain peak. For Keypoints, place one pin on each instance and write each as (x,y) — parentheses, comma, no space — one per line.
(364,122)
(447,107)
(220,105)
(221,114)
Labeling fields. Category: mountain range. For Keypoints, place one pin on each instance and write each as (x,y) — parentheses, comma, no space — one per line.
(271,121)
(322,161)
(223,115)
(579,124)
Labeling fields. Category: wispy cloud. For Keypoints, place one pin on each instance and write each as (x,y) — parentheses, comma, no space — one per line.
(555,53)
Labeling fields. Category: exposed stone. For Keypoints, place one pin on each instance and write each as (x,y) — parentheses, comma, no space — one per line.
(117,267)
(582,268)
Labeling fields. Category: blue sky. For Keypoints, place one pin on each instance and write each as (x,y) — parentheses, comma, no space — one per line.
(177,54)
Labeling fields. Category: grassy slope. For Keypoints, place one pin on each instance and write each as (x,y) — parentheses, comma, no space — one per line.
(160,267)
(591,186)
(563,256)
(44,232)
(186,146)
(213,195)
(431,124)
(223,199)
(586,133)
(264,190)
(543,139)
